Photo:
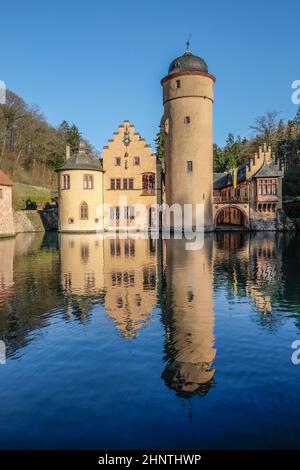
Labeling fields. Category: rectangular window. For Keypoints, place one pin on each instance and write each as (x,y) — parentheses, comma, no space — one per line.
(118,183)
(1,192)
(177,83)
(136,161)
(259,188)
(190,166)
(264,187)
(187,120)
(117,213)
(65,181)
(117,161)
(88,182)
(131,212)
(125,183)
(130,183)
(113,184)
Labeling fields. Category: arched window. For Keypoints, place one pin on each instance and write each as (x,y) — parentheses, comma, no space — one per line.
(148,183)
(84,211)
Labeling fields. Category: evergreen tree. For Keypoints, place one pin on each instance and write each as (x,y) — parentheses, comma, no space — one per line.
(73,138)
(296,119)
(160,141)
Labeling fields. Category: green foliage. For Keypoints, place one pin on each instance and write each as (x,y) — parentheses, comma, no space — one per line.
(30,148)
(284,139)
(160,141)
(73,137)
(230,156)
(22,192)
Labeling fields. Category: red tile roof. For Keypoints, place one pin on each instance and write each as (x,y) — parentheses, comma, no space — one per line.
(5,180)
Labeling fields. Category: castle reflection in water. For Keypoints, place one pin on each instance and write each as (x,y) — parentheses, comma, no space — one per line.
(69,274)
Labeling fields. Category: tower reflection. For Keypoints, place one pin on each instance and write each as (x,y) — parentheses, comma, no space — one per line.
(188,317)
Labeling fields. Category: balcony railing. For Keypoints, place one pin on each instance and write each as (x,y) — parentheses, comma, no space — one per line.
(148,192)
(232,200)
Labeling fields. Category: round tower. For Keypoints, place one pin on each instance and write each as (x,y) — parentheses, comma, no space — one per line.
(188,94)
(80,189)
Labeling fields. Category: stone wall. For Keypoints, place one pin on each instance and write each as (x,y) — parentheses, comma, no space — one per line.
(35,221)
(28,221)
(6,215)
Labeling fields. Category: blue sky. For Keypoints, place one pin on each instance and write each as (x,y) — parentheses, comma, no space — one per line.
(97,63)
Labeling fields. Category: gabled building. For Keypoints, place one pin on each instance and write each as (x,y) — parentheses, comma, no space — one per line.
(250,197)
(129,172)
(101,196)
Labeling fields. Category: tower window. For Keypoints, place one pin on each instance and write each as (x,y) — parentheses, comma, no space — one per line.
(84,211)
(177,83)
(187,120)
(88,182)
(190,166)
(65,181)
(117,161)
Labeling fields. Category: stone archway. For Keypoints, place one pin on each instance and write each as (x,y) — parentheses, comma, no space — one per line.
(231,216)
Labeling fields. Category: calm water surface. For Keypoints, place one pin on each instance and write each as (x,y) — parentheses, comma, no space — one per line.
(141,344)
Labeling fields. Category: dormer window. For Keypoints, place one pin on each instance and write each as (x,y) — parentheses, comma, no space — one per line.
(187,120)
(177,83)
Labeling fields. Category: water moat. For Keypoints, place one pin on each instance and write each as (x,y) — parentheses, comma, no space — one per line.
(132,343)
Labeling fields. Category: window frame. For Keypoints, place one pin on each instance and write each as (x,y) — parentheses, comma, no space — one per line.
(84,215)
(189,166)
(130,183)
(88,181)
(66,181)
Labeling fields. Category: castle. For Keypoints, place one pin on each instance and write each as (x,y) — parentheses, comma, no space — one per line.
(249,197)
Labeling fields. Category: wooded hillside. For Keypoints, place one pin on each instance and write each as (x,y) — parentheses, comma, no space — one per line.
(30,148)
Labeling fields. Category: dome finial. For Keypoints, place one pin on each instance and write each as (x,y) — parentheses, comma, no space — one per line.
(188,43)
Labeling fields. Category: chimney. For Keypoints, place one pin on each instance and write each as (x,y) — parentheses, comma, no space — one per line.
(68,151)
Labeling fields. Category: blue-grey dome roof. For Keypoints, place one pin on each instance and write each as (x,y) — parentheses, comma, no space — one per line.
(188,62)
(82,160)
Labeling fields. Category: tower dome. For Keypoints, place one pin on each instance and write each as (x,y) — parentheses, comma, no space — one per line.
(82,160)
(188,62)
